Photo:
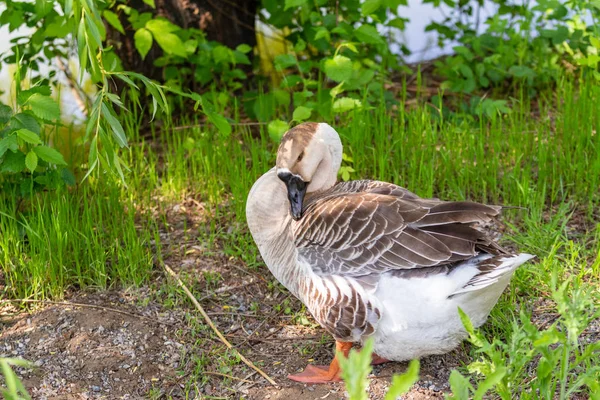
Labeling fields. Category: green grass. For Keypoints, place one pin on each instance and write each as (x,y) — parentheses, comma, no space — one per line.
(544,158)
(72,239)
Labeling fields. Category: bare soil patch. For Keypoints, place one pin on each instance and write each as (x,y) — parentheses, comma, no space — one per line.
(82,352)
(85,352)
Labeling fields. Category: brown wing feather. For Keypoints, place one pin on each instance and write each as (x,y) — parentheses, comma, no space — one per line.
(361,227)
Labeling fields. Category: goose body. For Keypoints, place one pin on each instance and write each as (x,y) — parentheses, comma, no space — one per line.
(370,258)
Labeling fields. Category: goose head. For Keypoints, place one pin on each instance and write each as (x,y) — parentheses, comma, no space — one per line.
(308,161)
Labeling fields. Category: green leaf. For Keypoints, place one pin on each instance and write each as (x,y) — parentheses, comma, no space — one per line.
(220,122)
(394,4)
(49,155)
(399,23)
(302,113)
(282,97)
(11,381)
(10,143)
(143,41)
(363,78)
(558,35)
(170,43)
(68,7)
(283,61)
(5,113)
(6,143)
(547,338)
(489,382)
(18,362)
(300,45)
(241,58)
(459,385)
(521,71)
(28,136)
(276,129)
(355,370)
(24,95)
(322,33)
(339,68)
(480,368)
(115,125)
(474,337)
(92,31)
(31,161)
(544,368)
(113,20)
(466,71)
(150,3)
(43,8)
(466,321)
(13,162)
(161,26)
(244,48)
(369,7)
(501,106)
(23,120)
(293,4)
(67,176)
(345,174)
(336,90)
(465,52)
(190,46)
(368,34)
(345,104)
(222,55)
(402,383)
(44,107)
(81,47)
(350,46)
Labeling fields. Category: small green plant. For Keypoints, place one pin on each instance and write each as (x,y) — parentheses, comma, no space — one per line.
(563,366)
(57,26)
(14,388)
(212,279)
(188,57)
(357,367)
(26,159)
(526,45)
(346,171)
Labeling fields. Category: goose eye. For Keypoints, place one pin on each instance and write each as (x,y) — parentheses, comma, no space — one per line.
(300,157)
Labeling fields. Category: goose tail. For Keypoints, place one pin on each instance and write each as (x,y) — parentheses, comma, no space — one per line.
(493,270)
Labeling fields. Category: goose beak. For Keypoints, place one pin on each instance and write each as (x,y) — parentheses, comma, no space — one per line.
(296,189)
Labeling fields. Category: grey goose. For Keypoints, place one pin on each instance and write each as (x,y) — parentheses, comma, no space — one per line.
(370,258)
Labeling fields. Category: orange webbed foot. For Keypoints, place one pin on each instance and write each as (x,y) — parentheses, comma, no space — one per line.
(317,374)
(322,373)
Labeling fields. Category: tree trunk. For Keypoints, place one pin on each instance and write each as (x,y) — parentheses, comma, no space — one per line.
(230,22)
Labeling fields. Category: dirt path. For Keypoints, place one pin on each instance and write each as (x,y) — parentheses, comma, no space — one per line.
(135,347)
(83,352)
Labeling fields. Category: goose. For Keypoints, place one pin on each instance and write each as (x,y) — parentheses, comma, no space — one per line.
(370,258)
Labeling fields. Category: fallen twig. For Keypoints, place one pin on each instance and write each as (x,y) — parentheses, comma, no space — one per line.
(214,328)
